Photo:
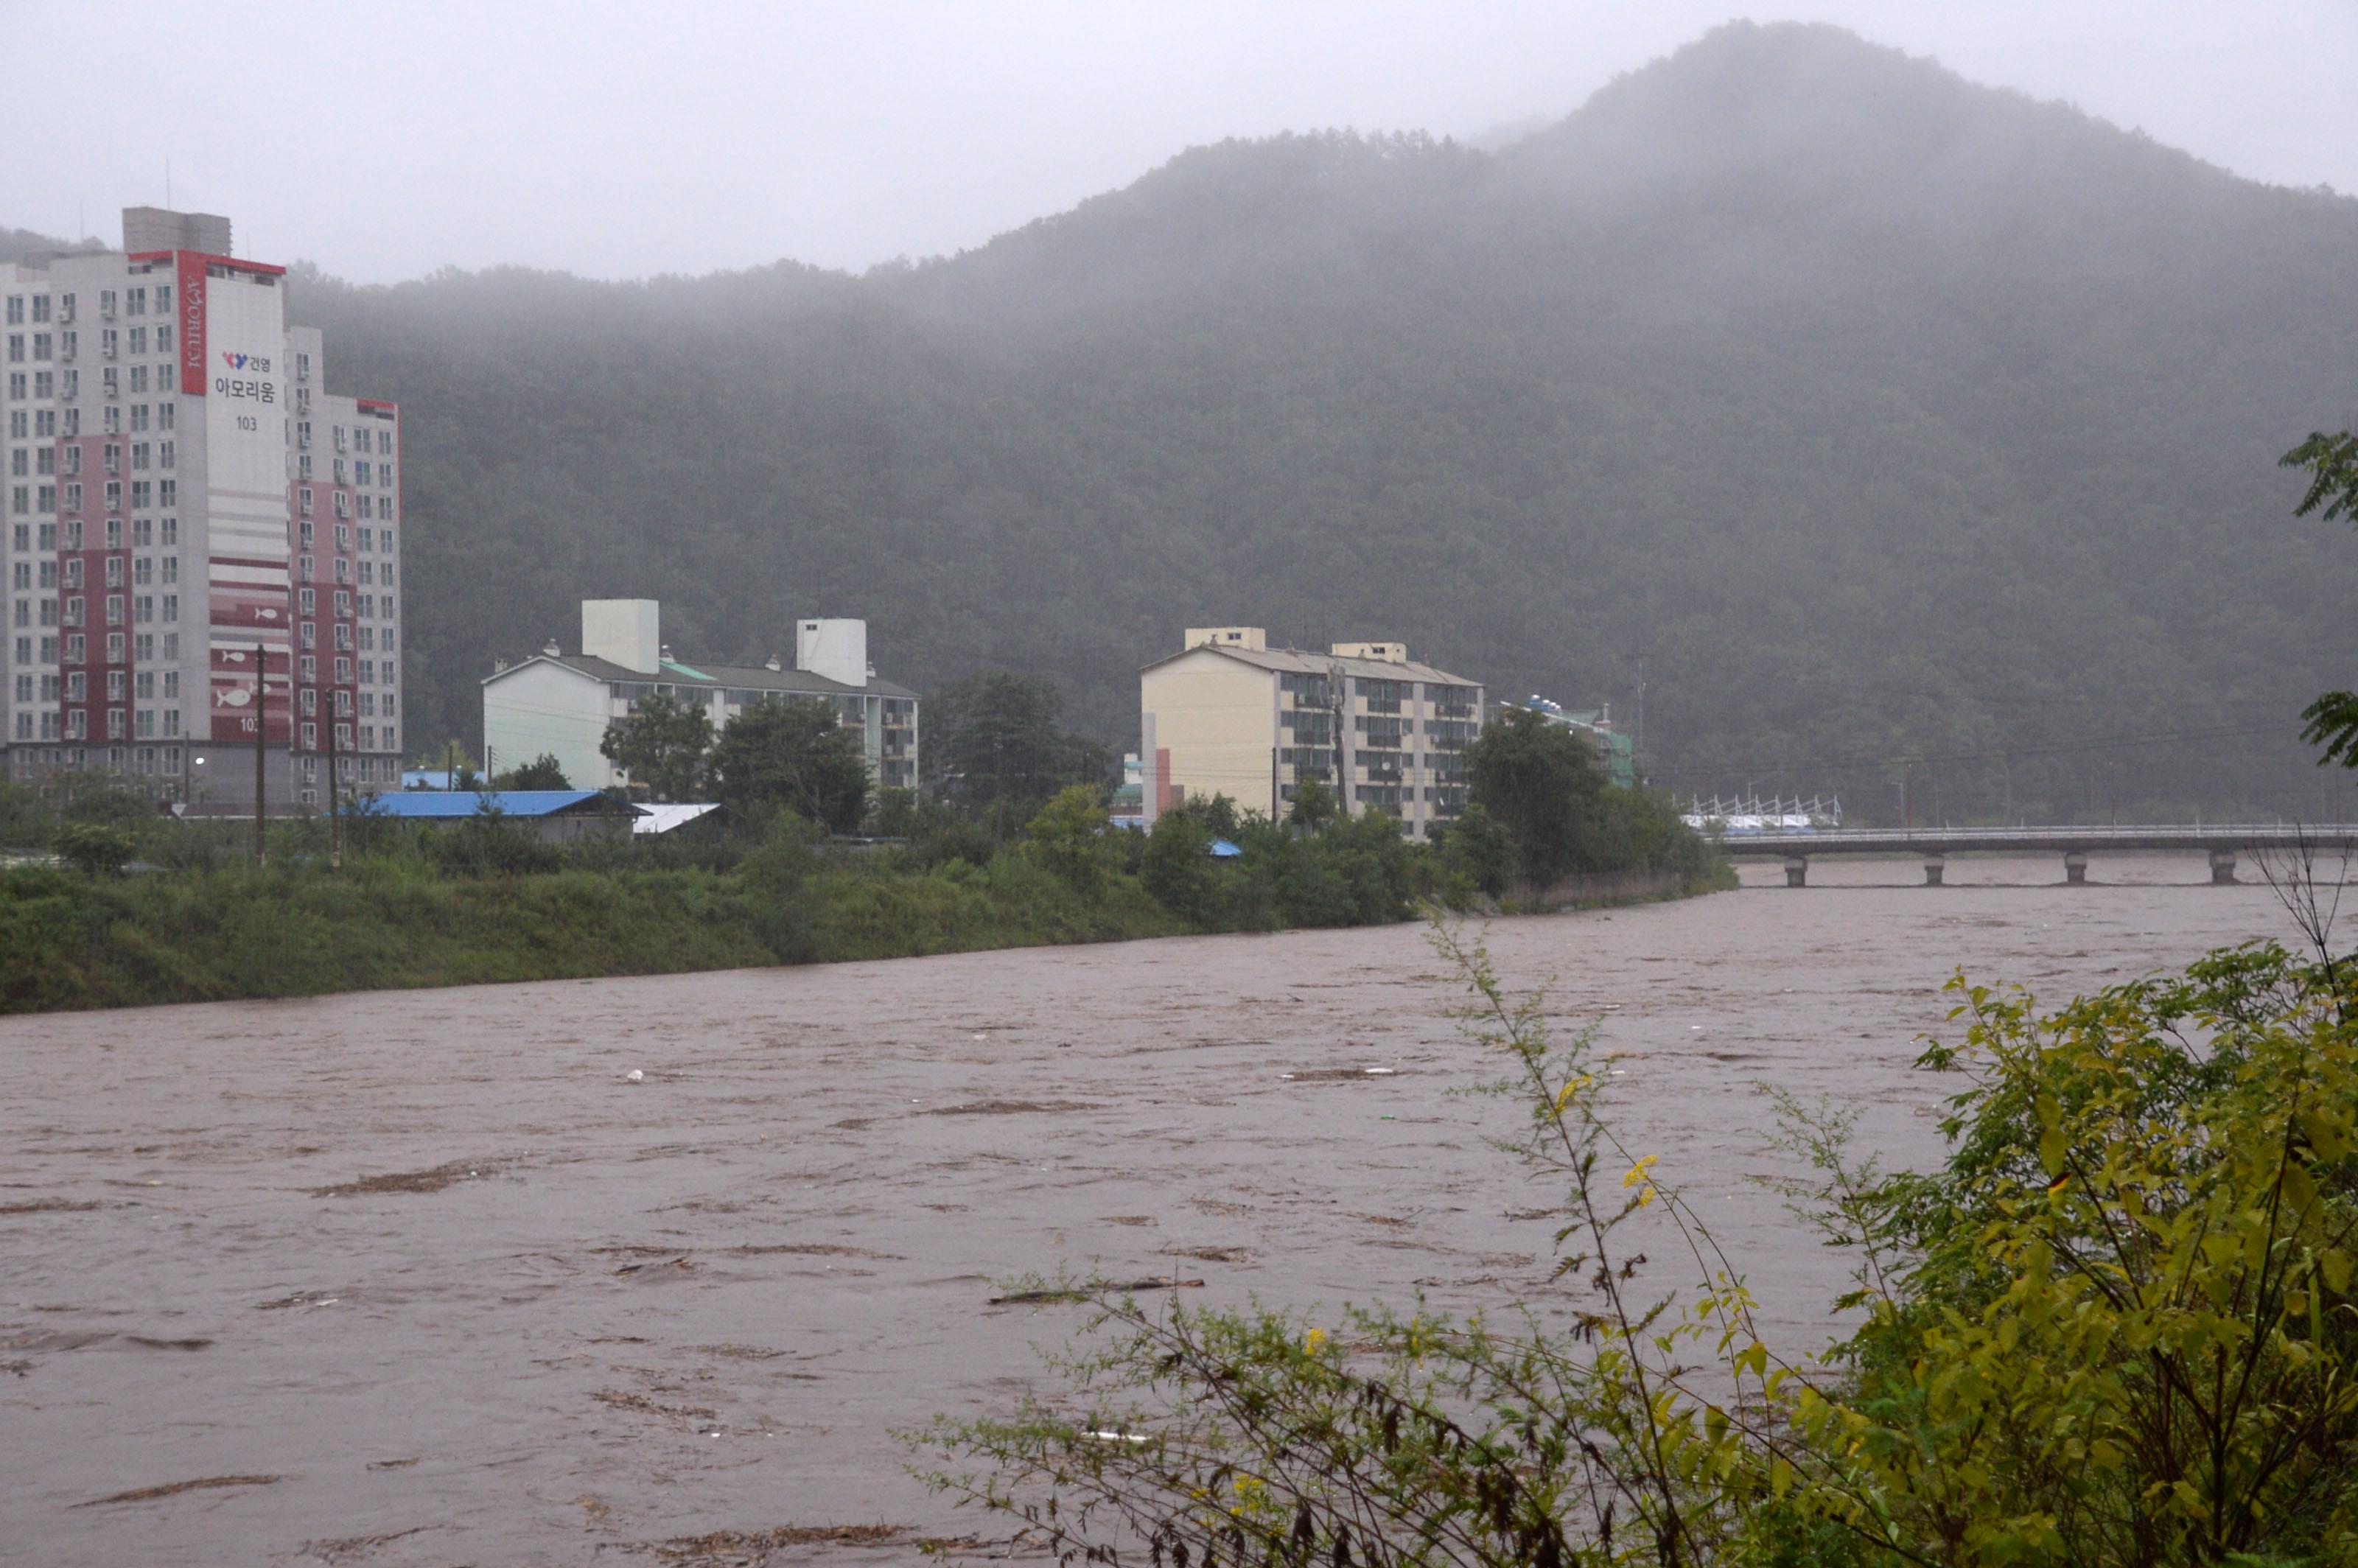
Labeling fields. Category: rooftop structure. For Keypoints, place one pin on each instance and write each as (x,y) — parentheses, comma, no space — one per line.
(201,542)
(561,704)
(1229,715)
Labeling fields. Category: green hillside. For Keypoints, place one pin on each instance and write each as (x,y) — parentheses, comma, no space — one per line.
(1878,413)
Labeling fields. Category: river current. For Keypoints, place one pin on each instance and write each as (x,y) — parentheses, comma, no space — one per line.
(426,1278)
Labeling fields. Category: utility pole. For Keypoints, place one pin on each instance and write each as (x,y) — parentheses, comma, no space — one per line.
(261,739)
(1637,744)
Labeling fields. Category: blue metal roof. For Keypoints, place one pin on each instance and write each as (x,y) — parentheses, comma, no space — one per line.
(430,804)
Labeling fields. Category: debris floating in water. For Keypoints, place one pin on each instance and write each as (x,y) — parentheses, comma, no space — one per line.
(634,1076)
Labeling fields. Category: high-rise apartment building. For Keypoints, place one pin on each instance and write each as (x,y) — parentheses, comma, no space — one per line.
(202,545)
(1230,715)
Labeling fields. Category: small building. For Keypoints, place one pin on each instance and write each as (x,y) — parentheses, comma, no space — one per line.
(560,704)
(562,816)
(1229,715)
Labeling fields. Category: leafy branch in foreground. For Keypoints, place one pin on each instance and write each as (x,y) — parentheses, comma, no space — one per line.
(2117,1327)
(2331,721)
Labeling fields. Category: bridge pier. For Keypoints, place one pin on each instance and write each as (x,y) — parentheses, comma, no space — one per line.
(1933,866)
(2076,867)
(1797,871)
(2222,866)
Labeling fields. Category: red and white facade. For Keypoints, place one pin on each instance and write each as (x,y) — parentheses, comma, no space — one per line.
(201,543)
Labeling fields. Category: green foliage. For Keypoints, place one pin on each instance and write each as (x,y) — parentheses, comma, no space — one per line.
(96,848)
(1314,806)
(1538,780)
(544,772)
(662,745)
(796,754)
(1178,869)
(1069,836)
(2333,465)
(2117,1327)
(2331,721)
(1477,856)
(997,747)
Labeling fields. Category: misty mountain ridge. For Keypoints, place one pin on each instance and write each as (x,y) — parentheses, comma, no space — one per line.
(1879,413)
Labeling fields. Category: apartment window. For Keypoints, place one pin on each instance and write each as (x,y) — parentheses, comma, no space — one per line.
(144,647)
(115,533)
(303,496)
(343,641)
(108,342)
(170,534)
(171,568)
(344,672)
(166,454)
(138,380)
(139,341)
(145,608)
(171,640)
(16,348)
(114,607)
(163,346)
(309,634)
(308,700)
(41,307)
(343,536)
(114,646)
(171,684)
(113,566)
(77,686)
(143,534)
(16,311)
(343,604)
(171,614)
(138,417)
(164,420)
(310,668)
(163,299)
(146,686)
(17,385)
(41,345)
(115,686)
(135,304)
(107,303)
(168,493)
(344,503)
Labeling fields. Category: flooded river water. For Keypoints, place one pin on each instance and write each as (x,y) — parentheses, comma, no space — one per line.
(422,1277)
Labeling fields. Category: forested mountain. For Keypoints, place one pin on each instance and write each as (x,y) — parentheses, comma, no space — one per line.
(1878,413)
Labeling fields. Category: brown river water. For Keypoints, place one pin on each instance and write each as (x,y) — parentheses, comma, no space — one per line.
(586,1318)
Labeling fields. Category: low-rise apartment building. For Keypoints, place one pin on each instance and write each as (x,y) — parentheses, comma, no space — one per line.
(1229,715)
(560,704)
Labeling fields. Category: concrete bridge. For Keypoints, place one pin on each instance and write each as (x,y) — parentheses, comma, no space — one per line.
(2221,841)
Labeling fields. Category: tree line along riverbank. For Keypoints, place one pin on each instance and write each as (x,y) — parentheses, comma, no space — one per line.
(486,900)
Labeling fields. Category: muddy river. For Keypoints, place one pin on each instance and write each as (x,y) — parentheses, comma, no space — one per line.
(425,1277)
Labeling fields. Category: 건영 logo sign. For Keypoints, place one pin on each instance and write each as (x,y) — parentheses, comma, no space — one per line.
(253,362)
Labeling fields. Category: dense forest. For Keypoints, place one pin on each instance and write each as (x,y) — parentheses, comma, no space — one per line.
(1893,427)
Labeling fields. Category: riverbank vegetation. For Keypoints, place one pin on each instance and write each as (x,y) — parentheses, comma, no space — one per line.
(119,905)
(2116,1327)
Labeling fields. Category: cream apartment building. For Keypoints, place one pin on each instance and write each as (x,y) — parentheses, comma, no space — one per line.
(1229,715)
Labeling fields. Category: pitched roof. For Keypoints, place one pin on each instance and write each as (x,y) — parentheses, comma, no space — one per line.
(1302,661)
(734,677)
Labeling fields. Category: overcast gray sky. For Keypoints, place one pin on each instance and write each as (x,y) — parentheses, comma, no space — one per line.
(620,138)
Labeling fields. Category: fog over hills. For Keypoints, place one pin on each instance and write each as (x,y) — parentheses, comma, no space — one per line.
(1879,413)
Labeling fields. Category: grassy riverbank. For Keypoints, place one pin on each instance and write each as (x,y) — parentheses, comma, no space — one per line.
(68,941)
(72,941)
